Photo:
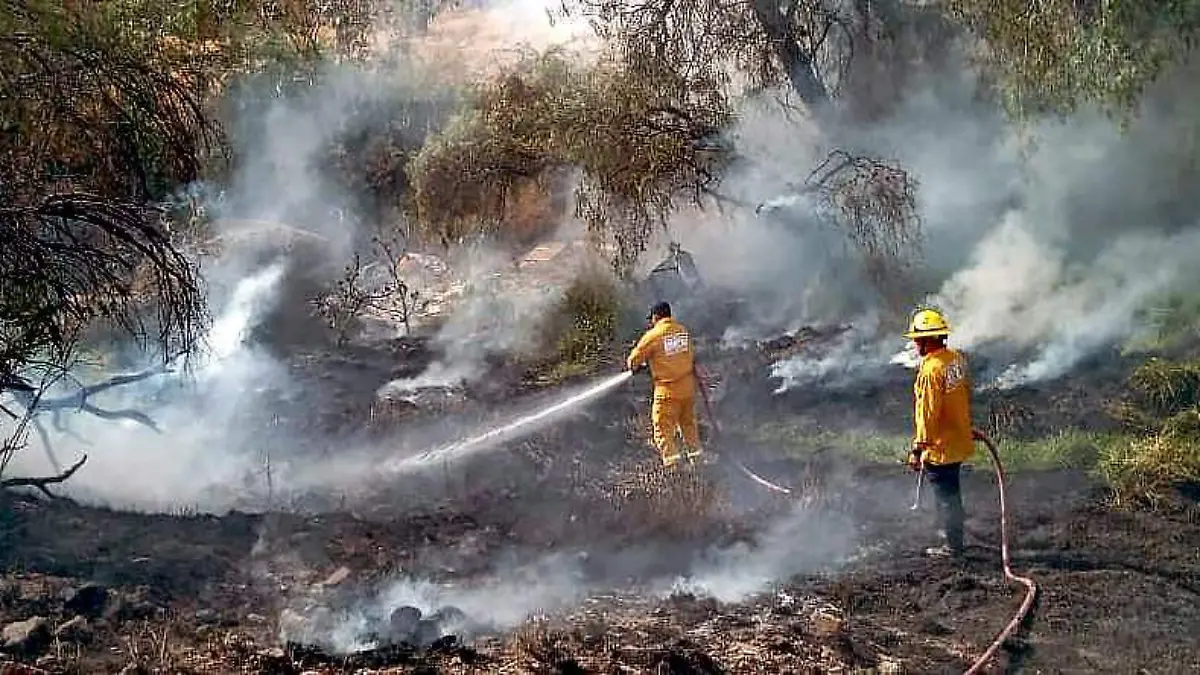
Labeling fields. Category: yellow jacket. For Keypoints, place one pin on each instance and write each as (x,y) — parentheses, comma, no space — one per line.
(667,346)
(943,408)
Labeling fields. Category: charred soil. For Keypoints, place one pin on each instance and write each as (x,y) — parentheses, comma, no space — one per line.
(89,590)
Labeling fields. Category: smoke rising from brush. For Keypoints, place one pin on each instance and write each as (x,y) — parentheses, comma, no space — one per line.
(492,317)
(1036,249)
(494,603)
(285,227)
(802,541)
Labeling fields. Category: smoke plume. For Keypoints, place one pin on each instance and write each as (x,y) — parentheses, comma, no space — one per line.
(1040,251)
(802,541)
(494,316)
(284,226)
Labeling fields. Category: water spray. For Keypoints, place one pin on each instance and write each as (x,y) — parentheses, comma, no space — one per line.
(513,429)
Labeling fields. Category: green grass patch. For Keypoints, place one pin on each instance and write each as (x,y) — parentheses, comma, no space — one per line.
(1144,464)
(798,439)
(1068,449)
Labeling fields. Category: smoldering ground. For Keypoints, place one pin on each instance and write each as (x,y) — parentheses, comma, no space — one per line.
(1036,249)
(209,456)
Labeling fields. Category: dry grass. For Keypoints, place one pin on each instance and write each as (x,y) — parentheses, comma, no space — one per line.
(1162,408)
(676,502)
(1162,388)
(1146,470)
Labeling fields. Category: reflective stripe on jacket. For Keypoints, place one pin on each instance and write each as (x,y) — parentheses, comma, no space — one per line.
(668,348)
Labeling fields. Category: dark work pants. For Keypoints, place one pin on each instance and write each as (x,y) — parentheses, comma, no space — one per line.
(948,492)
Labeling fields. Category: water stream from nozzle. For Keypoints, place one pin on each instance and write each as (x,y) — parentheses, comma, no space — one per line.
(512,430)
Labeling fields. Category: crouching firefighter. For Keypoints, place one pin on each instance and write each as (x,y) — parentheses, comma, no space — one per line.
(942,418)
(667,347)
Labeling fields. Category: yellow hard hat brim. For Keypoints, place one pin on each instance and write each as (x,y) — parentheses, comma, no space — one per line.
(914,334)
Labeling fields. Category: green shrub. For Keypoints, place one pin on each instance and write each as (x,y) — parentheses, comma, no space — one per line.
(583,328)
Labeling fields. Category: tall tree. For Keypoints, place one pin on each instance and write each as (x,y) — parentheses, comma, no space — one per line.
(1051,56)
(640,139)
(805,44)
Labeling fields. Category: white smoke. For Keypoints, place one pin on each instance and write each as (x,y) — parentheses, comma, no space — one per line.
(1022,291)
(1041,254)
(197,458)
(500,313)
(803,541)
(846,359)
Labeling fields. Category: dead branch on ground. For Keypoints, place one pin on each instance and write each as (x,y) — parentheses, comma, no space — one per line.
(15,442)
(35,403)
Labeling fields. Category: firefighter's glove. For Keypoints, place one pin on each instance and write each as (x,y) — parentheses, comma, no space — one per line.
(638,369)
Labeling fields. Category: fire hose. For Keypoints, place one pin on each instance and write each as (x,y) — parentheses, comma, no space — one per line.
(1030,587)
(1005,556)
(712,418)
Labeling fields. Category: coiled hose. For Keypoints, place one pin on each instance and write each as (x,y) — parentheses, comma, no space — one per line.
(1030,587)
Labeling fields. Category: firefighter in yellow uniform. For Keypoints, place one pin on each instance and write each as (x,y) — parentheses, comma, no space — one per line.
(667,347)
(944,438)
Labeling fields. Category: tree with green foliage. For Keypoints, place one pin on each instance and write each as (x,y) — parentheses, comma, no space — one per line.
(639,138)
(1052,56)
(93,128)
(830,55)
(103,114)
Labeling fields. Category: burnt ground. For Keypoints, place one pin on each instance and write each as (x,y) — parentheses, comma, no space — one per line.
(206,594)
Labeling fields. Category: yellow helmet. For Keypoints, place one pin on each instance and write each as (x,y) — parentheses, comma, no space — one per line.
(927,323)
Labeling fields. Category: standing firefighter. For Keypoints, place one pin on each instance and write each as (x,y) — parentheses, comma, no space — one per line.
(668,348)
(943,438)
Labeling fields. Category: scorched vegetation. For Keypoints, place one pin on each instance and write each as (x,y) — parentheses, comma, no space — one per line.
(265,265)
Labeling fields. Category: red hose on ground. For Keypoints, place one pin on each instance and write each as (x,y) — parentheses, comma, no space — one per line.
(1031,589)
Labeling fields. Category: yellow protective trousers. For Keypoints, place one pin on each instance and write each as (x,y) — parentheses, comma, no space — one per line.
(670,415)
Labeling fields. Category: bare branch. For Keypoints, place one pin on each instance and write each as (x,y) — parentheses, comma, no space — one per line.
(376,287)
(77,401)
(43,483)
(874,203)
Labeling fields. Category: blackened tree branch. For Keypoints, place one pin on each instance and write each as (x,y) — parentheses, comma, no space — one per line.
(42,483)
(78,401)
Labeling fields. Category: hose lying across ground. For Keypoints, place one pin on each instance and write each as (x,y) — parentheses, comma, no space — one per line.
(1031,588)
